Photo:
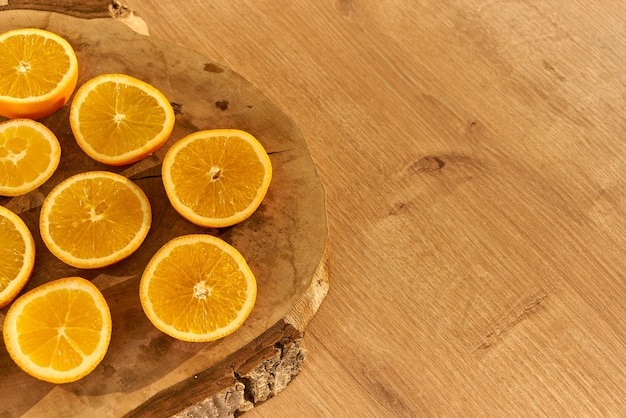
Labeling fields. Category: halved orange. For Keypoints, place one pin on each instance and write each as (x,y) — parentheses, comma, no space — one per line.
(216,178)
(95,219)
(59,331)
(29,155)
(38,73)
(197,288)
(17,255)
(118,119)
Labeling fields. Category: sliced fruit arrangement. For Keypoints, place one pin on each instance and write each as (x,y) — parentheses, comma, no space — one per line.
(95,219)
(38,73)
(29,155)
(59,331)
(216,178)
(17,255)
(118,119)
(197,288)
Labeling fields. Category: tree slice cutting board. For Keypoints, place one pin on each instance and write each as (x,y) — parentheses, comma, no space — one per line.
(145,372)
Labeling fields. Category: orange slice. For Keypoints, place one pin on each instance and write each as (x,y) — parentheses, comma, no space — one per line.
(38,73)
(60,331)
(197,288)
(216,178)
(94,219)
(29,155)
(17,255)
(118,120)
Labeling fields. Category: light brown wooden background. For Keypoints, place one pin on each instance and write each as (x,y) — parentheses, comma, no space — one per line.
(473,156)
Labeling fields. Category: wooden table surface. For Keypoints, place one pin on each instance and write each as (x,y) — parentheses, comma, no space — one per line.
(473,155)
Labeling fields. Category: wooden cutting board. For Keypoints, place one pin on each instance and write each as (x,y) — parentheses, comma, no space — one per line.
(145,372)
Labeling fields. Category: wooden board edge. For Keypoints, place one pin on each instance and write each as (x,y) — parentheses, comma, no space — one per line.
(257,372)
(306,307)
(85,9)
(270,377)
(252,375)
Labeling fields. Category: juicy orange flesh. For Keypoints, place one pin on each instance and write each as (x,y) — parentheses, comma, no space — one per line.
(24,155)
(31,65)
(12,250)
(218,177)
(191,295)
(57,330)
(117,118)
(93,218)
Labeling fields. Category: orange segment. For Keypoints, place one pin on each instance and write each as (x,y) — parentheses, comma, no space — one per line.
(95,219)
(117,119)
(197,288)
(17,255)
(60,331)
(38,73)
(29,155)
(216,178)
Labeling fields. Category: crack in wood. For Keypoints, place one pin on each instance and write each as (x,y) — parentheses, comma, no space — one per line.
(146,177)
(509,322)
(278,152)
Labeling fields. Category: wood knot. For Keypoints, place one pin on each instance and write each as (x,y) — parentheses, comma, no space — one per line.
(177,107)
(222,105)
(213,68)
(344,7)
(454,164)
(429,164)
